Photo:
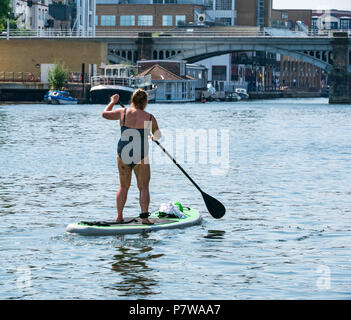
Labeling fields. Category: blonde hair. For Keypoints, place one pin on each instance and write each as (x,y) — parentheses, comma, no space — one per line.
(139,99)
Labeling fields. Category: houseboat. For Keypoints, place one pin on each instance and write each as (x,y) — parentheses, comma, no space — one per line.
(120,79)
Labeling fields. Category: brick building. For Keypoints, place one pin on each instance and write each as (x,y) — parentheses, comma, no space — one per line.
(166,14)
(143,16)
(292,19)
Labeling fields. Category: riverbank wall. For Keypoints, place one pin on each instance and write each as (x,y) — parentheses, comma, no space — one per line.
(13,92)
(34,93)
(284,94)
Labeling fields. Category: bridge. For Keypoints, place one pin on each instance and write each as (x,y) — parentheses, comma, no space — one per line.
(196,46)
(330,52)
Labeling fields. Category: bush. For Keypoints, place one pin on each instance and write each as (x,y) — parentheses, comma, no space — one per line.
(58,76)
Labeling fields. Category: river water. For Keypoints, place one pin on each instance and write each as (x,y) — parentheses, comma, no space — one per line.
(285,179)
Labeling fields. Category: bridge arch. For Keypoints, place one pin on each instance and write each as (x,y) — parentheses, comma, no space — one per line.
(193,55)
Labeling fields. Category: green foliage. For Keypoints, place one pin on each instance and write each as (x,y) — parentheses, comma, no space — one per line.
(58,76)
(6,12)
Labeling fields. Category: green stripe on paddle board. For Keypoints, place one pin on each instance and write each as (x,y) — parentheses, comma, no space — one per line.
(192,217)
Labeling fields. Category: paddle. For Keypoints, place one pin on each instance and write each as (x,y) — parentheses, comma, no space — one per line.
(214,207)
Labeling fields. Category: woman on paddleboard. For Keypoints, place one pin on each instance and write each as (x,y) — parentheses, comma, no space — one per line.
(133,147)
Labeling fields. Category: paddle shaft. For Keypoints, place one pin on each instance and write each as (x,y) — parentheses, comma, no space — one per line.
(178,165)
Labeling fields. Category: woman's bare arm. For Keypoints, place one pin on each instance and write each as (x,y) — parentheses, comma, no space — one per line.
(110,114)
(156,133)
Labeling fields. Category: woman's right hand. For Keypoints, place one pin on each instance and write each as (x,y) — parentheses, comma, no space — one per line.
(114,98)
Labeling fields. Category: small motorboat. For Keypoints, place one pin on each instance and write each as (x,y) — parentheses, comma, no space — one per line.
(242,93)
(232,97)
(59,97)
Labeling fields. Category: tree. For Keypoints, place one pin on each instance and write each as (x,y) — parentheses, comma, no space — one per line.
(58,76)
(6,12)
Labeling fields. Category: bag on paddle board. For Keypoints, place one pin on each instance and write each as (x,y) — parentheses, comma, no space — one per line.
(171,209)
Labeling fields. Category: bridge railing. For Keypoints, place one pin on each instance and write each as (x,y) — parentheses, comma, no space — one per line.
(185,32)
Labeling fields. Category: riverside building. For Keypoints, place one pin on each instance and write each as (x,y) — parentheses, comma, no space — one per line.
(49,17)
(166,14)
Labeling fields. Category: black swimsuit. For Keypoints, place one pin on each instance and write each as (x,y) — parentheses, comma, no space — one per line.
(133,146)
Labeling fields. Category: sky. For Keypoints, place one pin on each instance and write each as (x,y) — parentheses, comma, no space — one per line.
(312,4)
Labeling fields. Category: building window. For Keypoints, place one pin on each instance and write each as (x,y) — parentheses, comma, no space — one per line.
(224,21)
(314,23)
(127,20)
(157,1)
(167,21)
(208,4)
(224,5)
(345,24)
(180,20)
(96,20)
(145,20)
(334,25)
(170,1)
(108,21)
(219,73)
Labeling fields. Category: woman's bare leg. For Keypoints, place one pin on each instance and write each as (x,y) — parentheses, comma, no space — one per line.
(142,173)
(125,177)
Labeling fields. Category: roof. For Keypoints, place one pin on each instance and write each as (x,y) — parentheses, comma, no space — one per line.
(159,73)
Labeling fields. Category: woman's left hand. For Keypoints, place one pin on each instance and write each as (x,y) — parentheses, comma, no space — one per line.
(114,98)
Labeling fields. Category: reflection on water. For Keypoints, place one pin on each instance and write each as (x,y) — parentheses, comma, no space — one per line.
(136,277)
(215,234)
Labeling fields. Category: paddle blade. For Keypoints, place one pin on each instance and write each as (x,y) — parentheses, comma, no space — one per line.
(214,207)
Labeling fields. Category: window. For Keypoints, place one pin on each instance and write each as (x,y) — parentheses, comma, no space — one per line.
(333,25)
(108,21)
(219,73)
(224,5)
(145,20)
(314,23)
(96,20)
(180,20)
(208,4)
(170,1)
(127,20)
(224,21)
(345,24)
(167,21)
(157,1)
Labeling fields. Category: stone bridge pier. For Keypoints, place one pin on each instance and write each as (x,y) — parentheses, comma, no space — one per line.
(339,77)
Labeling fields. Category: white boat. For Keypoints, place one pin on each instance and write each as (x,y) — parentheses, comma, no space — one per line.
(232,97)
(242,93)
(59,97)
(119,79)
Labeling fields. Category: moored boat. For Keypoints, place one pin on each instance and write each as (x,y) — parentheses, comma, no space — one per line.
(119,79)
(242,93)
(59,97)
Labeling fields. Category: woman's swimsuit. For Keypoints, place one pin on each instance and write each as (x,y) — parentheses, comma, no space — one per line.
(133,146)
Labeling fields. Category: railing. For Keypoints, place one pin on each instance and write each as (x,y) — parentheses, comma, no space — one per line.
(185,32)
(19,77)
(121,81)
(73,77)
